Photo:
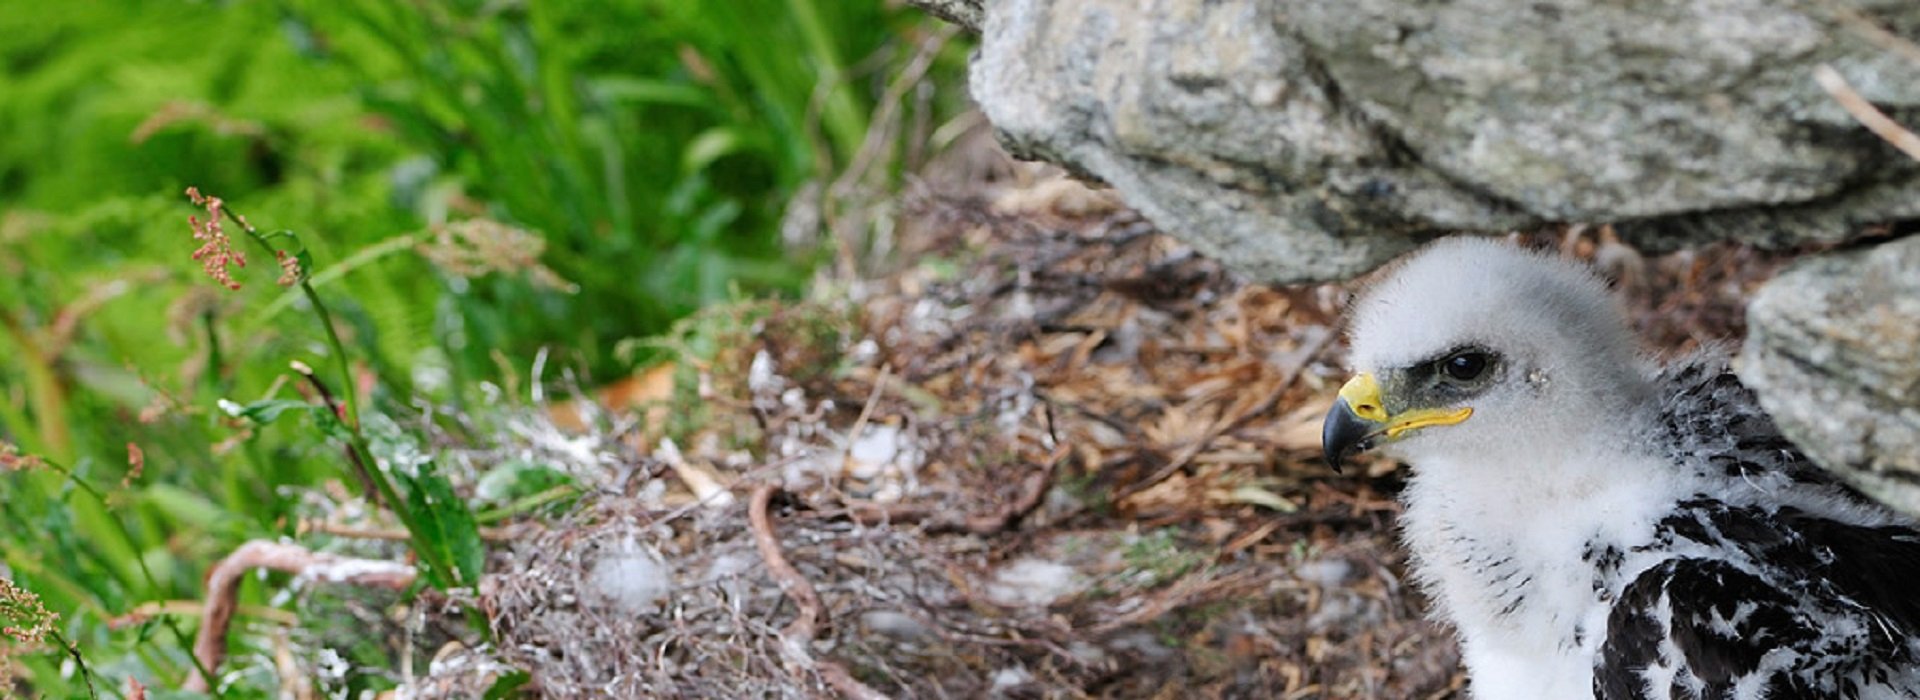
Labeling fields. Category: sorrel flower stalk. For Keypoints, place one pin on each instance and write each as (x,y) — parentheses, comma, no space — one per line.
(295,270)
(216,253)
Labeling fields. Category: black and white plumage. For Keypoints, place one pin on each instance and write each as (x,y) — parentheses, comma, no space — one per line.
(1596,526)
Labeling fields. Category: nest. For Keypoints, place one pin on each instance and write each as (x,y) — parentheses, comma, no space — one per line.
(1056,454)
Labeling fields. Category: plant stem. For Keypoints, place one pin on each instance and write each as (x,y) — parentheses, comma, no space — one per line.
(216,361)
(361,456)
(126,535)
(86,675)
(358,449)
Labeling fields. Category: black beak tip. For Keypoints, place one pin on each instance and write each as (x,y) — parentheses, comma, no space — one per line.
(1343,434)
(1333,462)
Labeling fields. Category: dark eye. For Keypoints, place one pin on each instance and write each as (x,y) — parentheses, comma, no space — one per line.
(1466,366)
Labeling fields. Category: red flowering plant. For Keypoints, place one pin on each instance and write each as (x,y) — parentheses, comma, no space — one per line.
(444,537)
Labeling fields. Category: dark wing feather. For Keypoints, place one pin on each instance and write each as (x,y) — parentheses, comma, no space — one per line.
(1876,567)
(1839,594)
(1714,422)
(1721,622)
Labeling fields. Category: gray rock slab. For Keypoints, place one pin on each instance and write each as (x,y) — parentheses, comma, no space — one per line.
(1833,349)
(1314,139)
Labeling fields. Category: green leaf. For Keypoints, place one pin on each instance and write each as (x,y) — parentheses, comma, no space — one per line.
(331,424)
(185,507)
(306,265)
(711,145)
(515,479)
(508,685)
(266,411)
(446,526)
(628,90)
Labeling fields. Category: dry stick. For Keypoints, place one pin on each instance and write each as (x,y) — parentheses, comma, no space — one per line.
(142,613)
(1867,28)
(800,633)
(223,589)
(1266,404)
(880,130)
(884,113)
(490,534)
(873,400)
(1864,111)
(866,414)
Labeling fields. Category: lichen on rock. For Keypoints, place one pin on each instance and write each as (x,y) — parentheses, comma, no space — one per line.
(1834,353)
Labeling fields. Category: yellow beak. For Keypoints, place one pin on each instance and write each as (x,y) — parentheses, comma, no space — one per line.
(1359,420)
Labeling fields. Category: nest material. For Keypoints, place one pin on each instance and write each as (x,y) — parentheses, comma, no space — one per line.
(1057,455)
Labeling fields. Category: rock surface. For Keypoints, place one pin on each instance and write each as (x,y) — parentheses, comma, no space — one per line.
(1833,348)
(1314,139)
(966,13)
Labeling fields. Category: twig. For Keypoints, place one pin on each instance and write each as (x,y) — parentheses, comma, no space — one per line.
(1186,455)
(142,613)
(866,411)
(1868,29)
(876,137)
(490,534)
(223,590)
(1123,427)
(882,126)
(799,634)
(1868,115)
(707,489)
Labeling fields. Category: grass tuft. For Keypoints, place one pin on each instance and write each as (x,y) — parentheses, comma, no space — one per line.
(490,197)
